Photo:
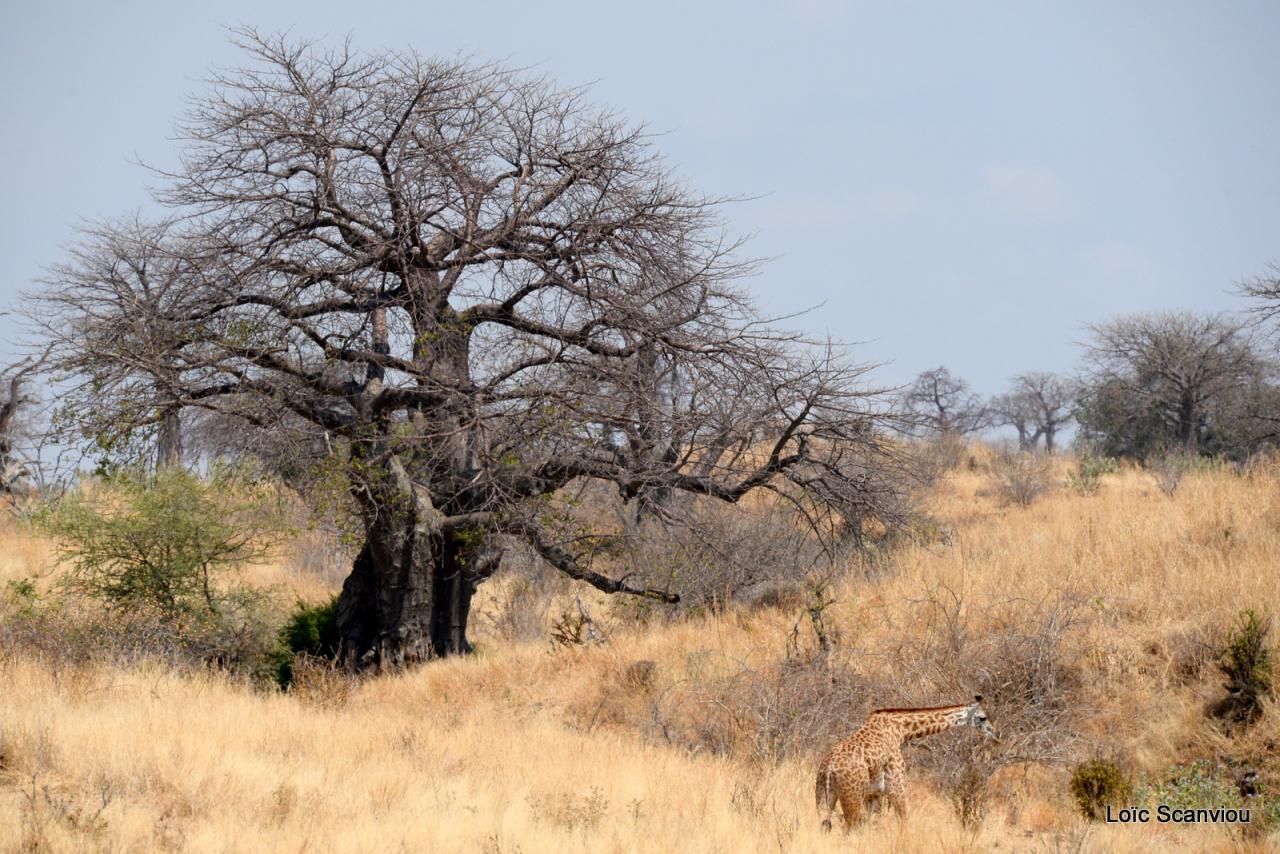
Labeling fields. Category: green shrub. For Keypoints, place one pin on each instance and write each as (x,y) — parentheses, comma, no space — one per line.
(149,560)
(1246,663)
(162,540)
(1205,785)
(1087,476)
(1098,783)
(1193,786)
(312,630)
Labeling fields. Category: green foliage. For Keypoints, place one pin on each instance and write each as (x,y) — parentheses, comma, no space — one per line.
(311,630)
(1206,785)
(22,594)
(1097,783)
(1246,663)
(1086,478)
(1191,786)
(162,540)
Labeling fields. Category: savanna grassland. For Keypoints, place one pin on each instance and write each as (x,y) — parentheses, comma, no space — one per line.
(1092,623)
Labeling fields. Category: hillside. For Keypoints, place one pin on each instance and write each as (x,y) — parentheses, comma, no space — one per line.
(1091,622)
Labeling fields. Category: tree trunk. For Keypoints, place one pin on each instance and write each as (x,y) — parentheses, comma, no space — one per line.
(169,441)
(408,597)
(1187,424)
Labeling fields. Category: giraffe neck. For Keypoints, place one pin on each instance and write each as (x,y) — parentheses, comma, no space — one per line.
(917,723)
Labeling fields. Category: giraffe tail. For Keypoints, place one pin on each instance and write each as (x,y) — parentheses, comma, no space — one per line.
(825,795)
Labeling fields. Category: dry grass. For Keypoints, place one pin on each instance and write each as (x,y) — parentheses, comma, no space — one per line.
(530,748)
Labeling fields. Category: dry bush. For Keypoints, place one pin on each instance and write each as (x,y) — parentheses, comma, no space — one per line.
(1020,476)
(1018,655)
(522,598)
(576,627)
(937,455)
(1170,468)
(766,713)
(320,681)
(68,631)
(719,555)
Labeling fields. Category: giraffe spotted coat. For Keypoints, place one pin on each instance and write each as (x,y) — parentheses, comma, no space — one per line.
(868,765)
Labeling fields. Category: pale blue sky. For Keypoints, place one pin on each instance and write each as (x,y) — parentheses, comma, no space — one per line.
(958,183)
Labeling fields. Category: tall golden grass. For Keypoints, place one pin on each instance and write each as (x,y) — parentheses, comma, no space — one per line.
(523,747)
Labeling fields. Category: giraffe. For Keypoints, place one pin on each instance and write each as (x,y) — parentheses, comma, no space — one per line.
(868,765)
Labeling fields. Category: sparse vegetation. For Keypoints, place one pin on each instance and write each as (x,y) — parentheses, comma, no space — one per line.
(710,720)
(1086,477)
(1021,476)
(1246,663)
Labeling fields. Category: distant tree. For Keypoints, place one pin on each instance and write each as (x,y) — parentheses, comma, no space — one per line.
(1038,405)
(454,291)
(1264,290)
(125,283)
(943,405)
(15,401)
(1186,380)
(1016,410)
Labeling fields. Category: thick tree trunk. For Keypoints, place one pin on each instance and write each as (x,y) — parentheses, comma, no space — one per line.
(408,597)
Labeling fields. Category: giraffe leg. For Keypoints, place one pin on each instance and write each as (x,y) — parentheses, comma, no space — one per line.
(851,808)
(825,794)
(896,779)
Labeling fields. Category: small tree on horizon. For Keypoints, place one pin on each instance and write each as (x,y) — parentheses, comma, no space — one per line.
(942,405)
(1038,405)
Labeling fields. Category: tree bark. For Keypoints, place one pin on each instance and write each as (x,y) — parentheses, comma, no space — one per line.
(408,597)
(1187,424)
(169,441)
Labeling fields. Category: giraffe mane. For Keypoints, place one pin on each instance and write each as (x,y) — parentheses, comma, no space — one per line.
(924,708)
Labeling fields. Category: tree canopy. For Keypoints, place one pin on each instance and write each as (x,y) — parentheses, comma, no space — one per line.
(462,288)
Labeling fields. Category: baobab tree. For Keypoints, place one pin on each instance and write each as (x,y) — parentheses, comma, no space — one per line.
(461,289)
(1037,405)
(1155,381)
(124,284)
(944,405)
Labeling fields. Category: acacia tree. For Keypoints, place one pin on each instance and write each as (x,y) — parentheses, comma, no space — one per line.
(1155,380)
(944,404)
(461,289)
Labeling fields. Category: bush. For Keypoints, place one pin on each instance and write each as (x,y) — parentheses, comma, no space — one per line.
(1097,784)
(1169,469)
(1205,785)
(1087,476)
(148,573)
(312,632)
(1021,476)
(162,540)
(65,629)
(717,556)
(1245,661)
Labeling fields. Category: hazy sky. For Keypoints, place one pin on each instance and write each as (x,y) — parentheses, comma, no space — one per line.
(958,183)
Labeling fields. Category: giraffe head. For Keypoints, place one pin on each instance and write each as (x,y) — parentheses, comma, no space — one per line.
(976,717)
